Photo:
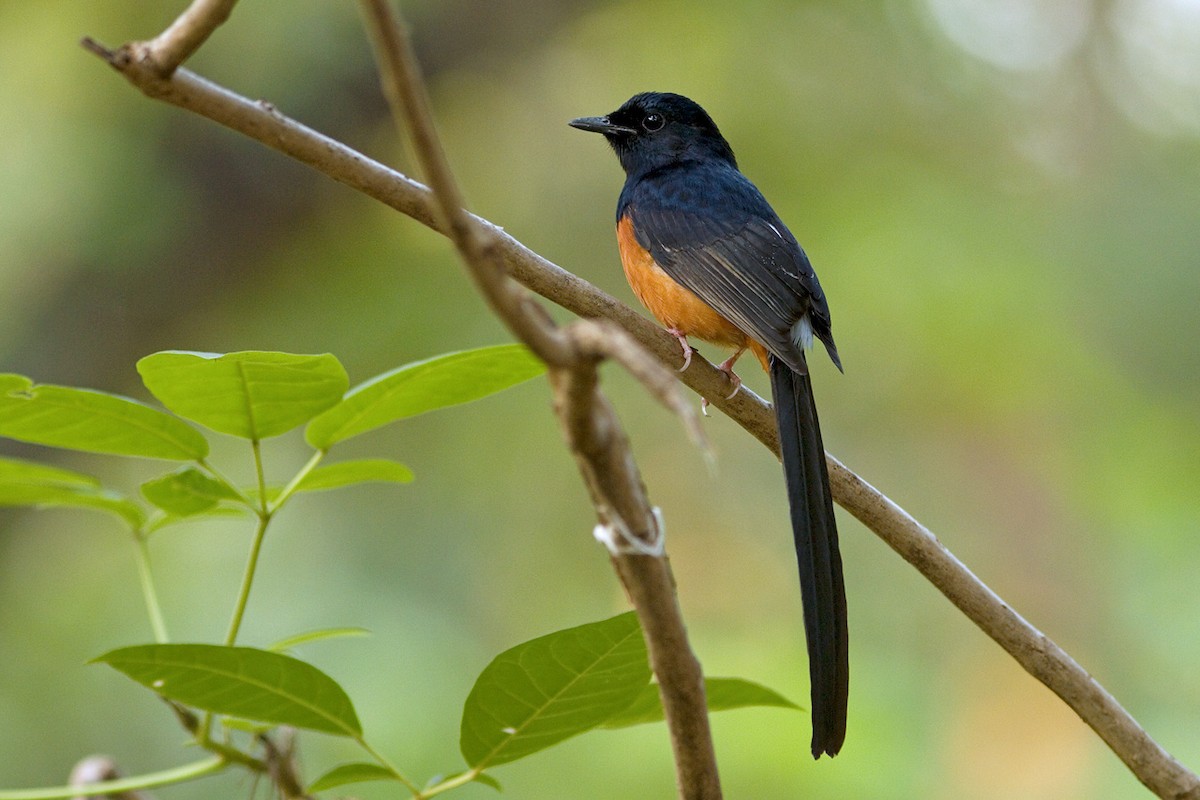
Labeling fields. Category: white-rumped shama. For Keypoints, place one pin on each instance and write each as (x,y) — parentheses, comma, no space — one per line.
(709,257)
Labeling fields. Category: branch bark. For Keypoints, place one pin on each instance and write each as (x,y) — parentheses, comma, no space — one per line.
(1152,765)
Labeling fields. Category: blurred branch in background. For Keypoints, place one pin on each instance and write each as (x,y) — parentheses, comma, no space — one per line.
(1152,765)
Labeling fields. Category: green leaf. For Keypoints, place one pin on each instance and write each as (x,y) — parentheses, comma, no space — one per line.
(242,682)
(552,688)
(346,473)
(187,492)
(47,495)
(251,394)
(413,389)
(17,470)
(315,636)
(95,422)
(722,694)
(343,774)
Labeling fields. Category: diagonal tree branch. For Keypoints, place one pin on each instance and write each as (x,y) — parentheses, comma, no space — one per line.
(1152,765)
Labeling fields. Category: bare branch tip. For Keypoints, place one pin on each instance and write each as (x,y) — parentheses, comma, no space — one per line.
(95,48)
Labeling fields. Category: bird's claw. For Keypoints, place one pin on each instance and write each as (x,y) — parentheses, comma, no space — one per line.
(687,348)
(726,366)
(733,378)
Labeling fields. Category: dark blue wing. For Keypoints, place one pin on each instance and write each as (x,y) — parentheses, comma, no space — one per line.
(712,231)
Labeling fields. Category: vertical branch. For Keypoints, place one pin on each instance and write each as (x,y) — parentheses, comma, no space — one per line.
(589,423)
(602,453)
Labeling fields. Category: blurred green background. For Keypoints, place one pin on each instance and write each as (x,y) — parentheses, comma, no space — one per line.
(1002,199)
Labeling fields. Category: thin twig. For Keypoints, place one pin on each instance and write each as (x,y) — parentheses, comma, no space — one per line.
(602,452)
(1152,765)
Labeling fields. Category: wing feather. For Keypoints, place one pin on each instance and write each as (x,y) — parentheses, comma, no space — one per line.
(736,255)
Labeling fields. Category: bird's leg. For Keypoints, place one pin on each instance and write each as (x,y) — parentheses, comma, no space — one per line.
(726,366)
(687,348)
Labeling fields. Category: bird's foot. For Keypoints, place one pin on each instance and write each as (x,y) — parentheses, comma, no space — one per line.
(725,366)
(687,348)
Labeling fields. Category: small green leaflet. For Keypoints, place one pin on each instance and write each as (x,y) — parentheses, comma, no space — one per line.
(414,389)
(241,682)
(28,483)
(251,394)
(350,773)
(16,470)
(347,473)
(552,688)
(48,495)
(187,492)
(722,694)
(94,422)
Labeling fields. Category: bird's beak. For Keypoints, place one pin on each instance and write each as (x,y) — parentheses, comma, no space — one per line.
(599,125)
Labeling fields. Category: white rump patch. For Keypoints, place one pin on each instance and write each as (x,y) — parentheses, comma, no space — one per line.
(802,333)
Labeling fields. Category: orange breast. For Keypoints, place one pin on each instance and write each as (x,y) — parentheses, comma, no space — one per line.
(674,306)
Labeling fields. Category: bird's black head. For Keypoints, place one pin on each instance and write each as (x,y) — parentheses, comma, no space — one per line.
(654,129)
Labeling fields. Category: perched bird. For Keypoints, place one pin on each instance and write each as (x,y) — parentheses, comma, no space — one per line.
(709,257)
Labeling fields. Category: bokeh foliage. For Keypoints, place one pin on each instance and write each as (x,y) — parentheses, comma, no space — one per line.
(1004,210)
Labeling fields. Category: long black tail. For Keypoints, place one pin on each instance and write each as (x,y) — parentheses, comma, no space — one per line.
(821,585)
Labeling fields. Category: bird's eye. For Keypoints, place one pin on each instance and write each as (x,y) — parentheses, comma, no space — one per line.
(653,122)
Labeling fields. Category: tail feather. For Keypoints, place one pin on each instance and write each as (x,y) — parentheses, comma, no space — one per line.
(815,532)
